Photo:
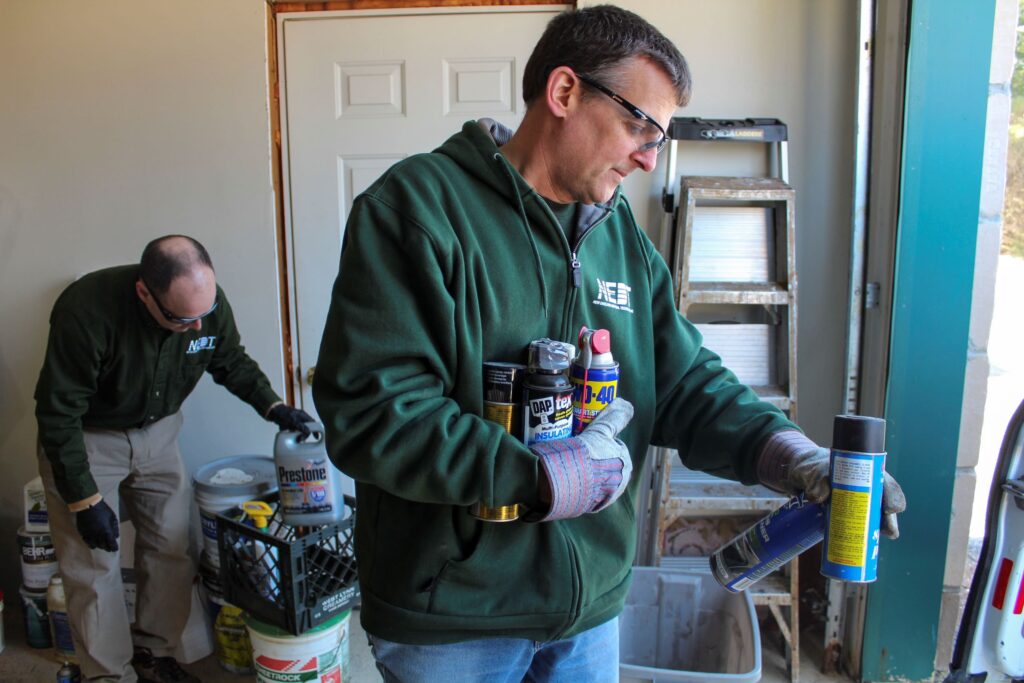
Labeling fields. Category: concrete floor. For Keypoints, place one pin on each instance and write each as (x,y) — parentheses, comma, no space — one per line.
(19,663)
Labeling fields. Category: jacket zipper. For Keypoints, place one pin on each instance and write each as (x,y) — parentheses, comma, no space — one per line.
(576,268)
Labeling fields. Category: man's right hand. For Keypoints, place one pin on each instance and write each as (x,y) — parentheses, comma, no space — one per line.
(97,526)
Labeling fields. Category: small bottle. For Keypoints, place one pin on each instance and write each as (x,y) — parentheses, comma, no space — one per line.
(60,627)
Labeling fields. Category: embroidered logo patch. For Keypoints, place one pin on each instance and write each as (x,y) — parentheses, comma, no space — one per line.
(613,295)
(201,344)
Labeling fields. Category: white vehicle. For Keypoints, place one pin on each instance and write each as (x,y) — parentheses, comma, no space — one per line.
(990,642)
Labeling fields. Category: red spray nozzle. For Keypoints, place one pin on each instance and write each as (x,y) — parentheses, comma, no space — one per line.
(600,341)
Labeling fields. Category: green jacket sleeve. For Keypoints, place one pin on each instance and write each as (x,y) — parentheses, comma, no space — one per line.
(67,380)
(232,367)
(716,423)
(385,374)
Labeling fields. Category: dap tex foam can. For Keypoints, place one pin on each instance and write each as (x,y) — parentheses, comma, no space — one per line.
(503,397)
(768,545)
(547,393)
(855,509)
(594,376)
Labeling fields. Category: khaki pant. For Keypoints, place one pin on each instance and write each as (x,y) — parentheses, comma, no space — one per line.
(143,468)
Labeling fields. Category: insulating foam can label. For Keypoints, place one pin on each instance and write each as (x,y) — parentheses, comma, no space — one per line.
(854,515)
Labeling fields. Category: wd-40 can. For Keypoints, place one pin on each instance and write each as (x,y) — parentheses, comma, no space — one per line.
(594,376)
(775,540)
(854,514)
(547,393)
(503,401)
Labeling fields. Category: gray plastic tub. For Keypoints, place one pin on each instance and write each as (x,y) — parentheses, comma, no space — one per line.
(680,625)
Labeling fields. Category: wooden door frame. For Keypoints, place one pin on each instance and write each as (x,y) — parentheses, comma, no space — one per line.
(275,8)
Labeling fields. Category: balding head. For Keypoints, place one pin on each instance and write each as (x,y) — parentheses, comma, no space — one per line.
(167,258)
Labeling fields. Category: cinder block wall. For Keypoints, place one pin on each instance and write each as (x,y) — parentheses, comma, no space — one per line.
(990,224)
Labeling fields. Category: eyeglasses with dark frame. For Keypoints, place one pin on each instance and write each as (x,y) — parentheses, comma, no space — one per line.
(636,111)
(170,317)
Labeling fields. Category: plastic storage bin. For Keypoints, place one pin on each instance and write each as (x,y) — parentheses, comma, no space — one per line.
(286,579)
(680,625)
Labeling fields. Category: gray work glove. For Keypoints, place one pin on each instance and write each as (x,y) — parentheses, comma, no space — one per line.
(588,472)
(789,462)
(97,525)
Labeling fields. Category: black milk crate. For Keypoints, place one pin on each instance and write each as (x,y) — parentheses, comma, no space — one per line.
(285,579)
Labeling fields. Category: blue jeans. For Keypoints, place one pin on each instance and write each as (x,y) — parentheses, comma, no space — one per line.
(591,656)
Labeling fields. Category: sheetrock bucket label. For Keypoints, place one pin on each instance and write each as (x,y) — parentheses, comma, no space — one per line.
(273,670)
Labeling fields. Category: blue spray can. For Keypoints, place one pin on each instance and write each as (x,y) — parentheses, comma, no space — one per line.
(594,376)
(768,545)
(854,512)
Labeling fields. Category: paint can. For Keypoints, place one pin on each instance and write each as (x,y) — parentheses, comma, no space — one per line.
(35,619)
(320,654)
(38,559)
(594,377)
(226,483)
(768,545)
(854,512)
(547,393)
(503,402)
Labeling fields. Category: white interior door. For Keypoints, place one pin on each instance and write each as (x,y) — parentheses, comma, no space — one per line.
(363,90)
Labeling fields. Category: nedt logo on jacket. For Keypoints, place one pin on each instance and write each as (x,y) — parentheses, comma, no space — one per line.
(201,344)
(613,295)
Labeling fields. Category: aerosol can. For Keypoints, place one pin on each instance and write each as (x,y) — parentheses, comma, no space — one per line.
(503,403)
(309,484)
(547,393)
(594,376)
(849,522)
(854,513)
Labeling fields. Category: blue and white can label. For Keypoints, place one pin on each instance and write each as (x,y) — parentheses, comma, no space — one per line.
(853,516)
(768,545)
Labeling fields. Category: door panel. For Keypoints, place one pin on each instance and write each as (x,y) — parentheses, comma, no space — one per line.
(362,91)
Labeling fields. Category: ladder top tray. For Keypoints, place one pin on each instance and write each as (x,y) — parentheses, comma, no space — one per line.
(731,130)
(728,187)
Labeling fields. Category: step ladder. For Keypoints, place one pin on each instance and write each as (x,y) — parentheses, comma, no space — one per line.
(731,246)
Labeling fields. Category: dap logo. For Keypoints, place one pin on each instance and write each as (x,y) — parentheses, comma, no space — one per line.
(613,295)
(201,344)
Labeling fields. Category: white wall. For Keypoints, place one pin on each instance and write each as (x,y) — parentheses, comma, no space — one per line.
(793,60)
(121,121)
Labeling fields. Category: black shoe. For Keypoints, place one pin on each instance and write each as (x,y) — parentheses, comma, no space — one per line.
(159,669)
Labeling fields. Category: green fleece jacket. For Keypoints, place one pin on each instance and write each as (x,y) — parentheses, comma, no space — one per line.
(450,260)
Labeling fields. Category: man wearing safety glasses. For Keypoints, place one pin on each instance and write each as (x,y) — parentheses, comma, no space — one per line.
(464,256)
(127,345)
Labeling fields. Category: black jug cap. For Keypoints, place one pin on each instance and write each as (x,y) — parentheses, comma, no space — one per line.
(858,434)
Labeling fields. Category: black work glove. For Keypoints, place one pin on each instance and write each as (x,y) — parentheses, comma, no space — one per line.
(291,419)
(97,526)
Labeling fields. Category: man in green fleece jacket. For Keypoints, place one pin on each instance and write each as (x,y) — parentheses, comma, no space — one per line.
(466,255)
(127,345)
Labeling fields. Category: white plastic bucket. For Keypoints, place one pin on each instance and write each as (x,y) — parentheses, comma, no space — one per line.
(320,655)
(226,483)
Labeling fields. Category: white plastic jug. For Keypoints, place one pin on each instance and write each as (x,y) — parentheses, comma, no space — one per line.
(309,484)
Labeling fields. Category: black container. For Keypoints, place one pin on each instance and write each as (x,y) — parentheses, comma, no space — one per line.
(294,581)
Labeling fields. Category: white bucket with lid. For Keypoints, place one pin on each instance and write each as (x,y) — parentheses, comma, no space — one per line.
(226,483)
(320,654)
